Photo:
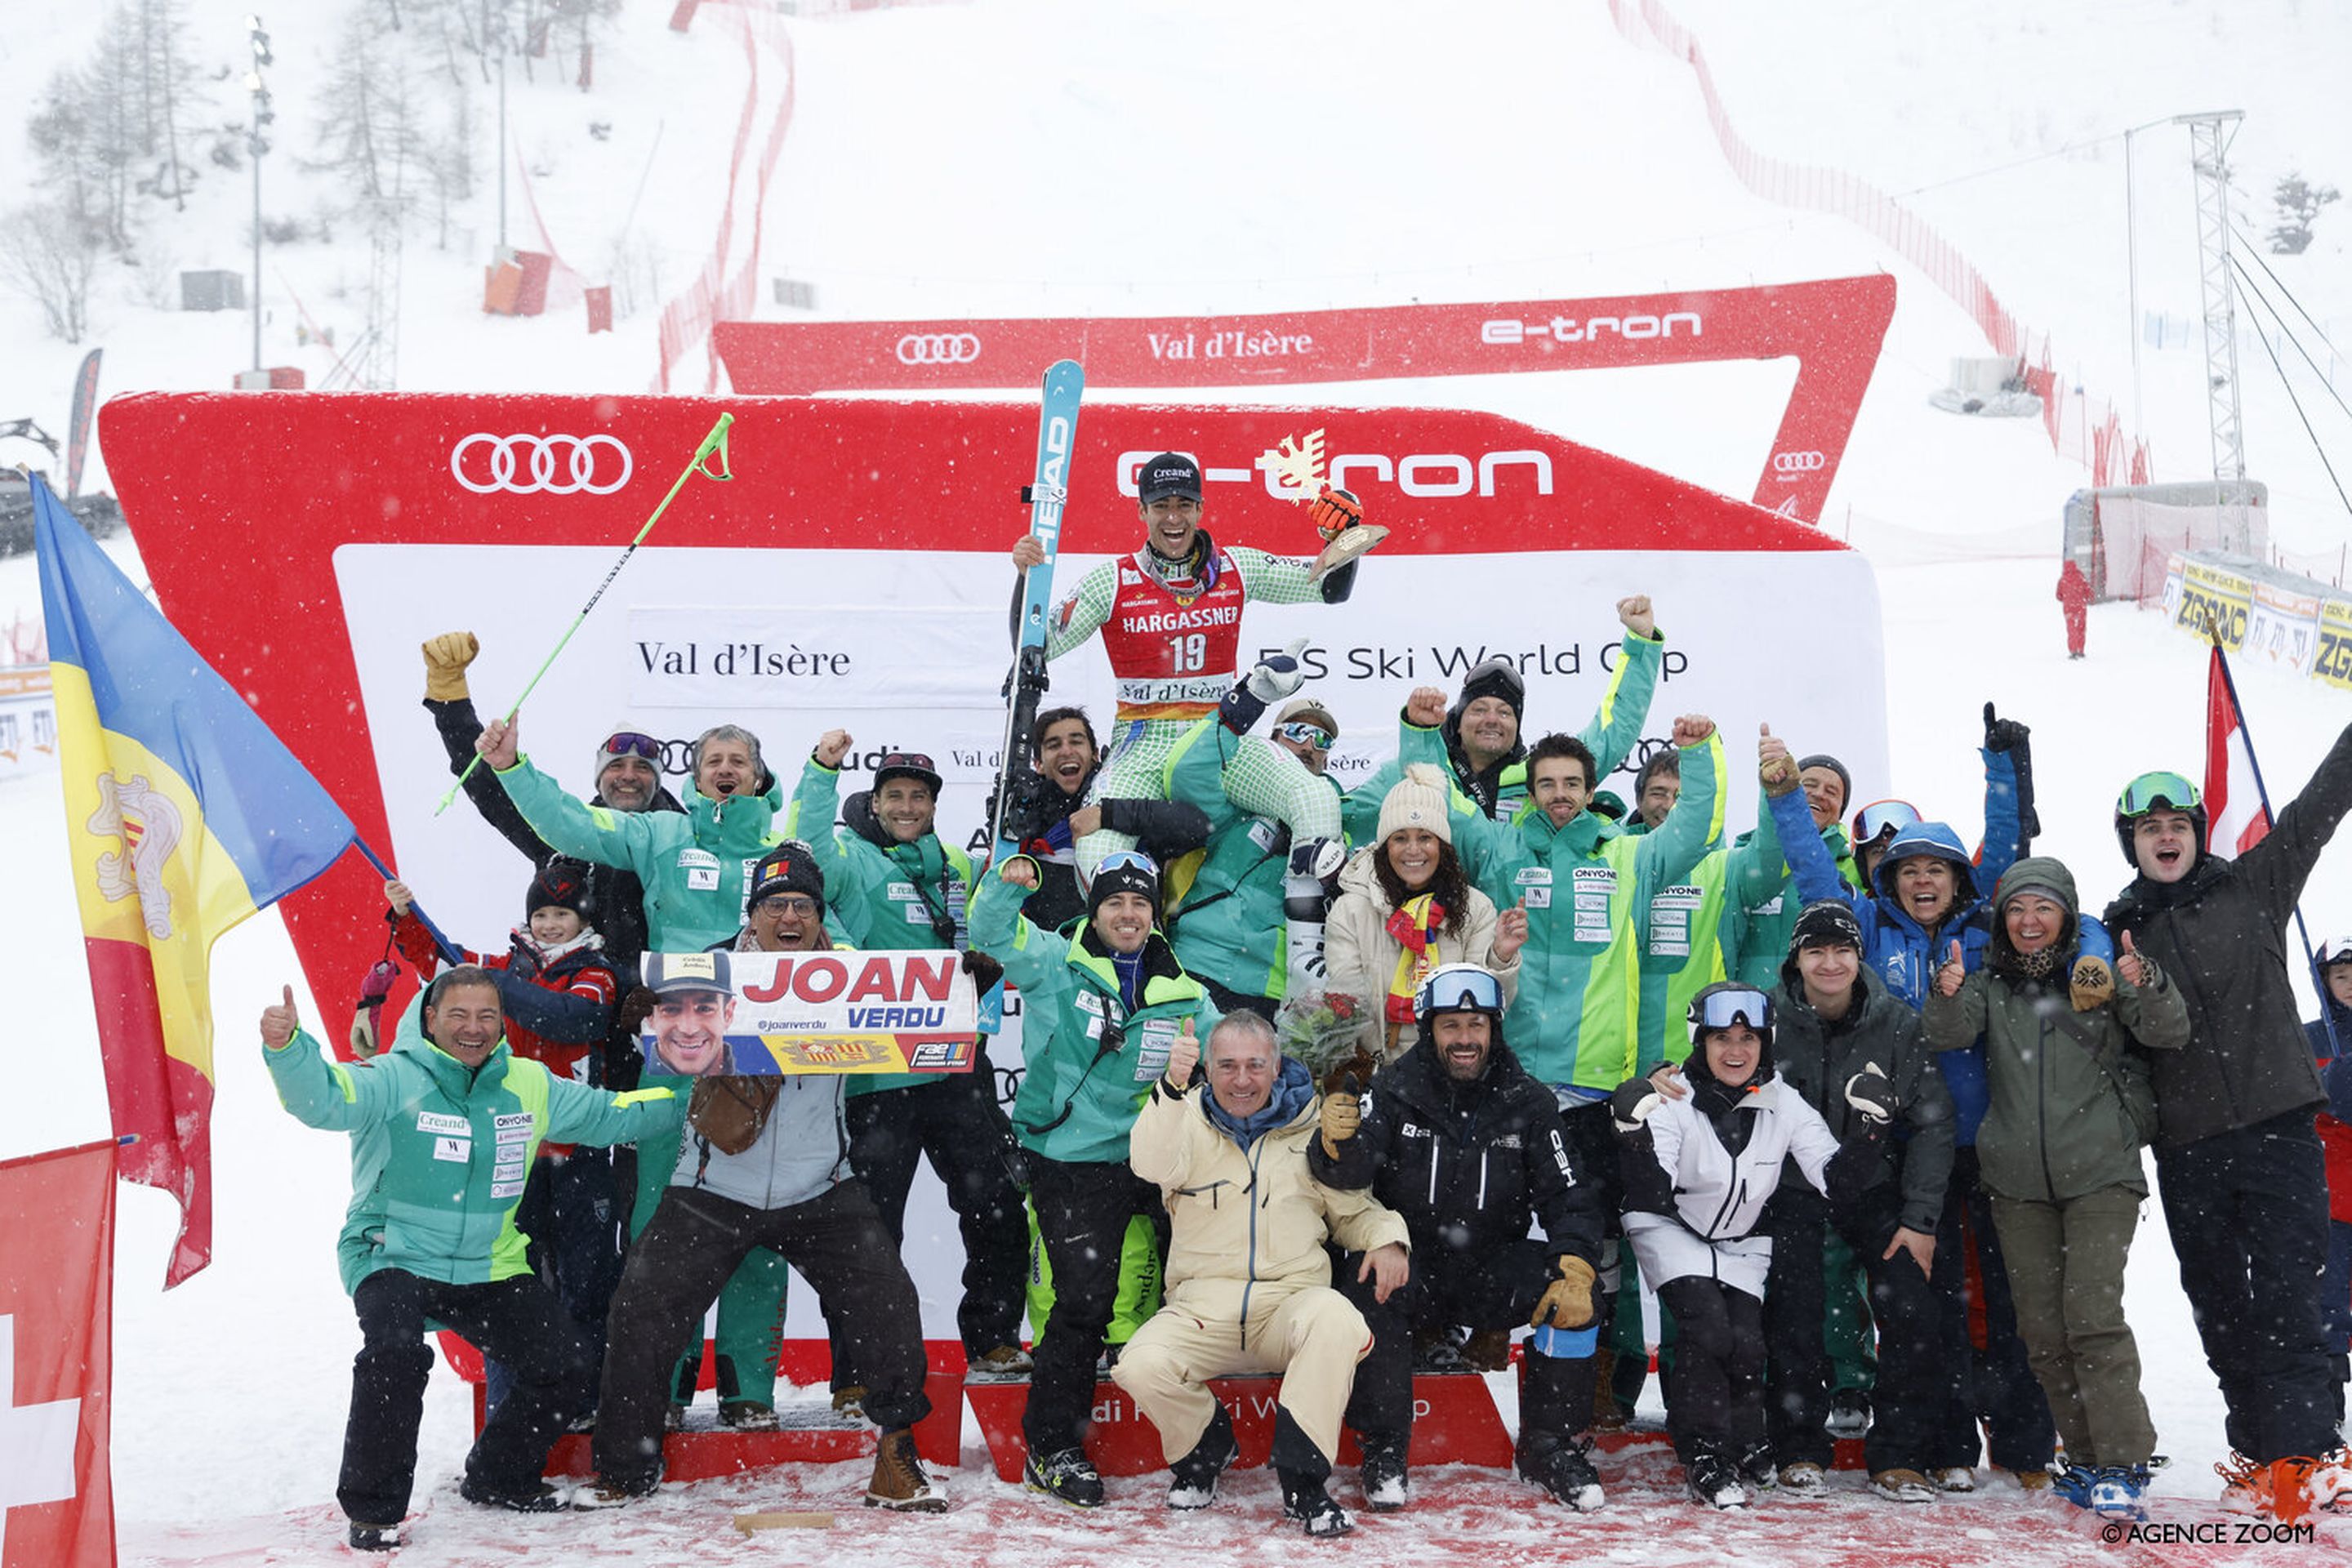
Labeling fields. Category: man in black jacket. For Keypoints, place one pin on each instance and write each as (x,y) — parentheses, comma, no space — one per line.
(1832,1025)
(1463,1142)
(2238,1159)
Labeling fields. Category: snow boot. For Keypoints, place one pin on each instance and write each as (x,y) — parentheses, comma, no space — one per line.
(1386,1490)
(1903,1485)
(1563,1467)
(1304,1499)
(1758,1470)
(605,1494)
(375,1537)
(1714,1480)
(1066,1474)
(1006,1363)
(748,1415)
(1954,1478)
(900,1481)
(1192,1479)
(537,1498)
(1805,1479)
(1849,1413)
(2116,1491)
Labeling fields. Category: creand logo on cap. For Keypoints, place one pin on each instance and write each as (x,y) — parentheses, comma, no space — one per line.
(1176,476)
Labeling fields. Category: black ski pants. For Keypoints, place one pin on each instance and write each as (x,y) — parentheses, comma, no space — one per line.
(1715,1385)
(568,1213)
(957,1125)
(516,1321)
(1083,1210)
(1493,1288)
(2247,1213)
(1917,1381)
(676,1267)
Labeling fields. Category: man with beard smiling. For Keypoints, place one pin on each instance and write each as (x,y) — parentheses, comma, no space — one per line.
(1467,1146)
(2238,1159)
(1068,757)
(443,1127)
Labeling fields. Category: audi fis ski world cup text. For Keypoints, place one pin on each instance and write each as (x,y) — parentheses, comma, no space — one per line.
(1452,663)
(523,464)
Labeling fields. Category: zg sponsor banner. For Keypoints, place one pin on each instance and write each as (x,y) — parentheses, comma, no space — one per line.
(1832,327)
(2333,663)
(2282,626)
(2214,603)
(872,1011)
(859,519)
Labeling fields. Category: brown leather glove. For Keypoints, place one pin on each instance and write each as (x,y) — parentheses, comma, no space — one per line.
(2092,984)
(1343,1112)
(1334,512)
(634,1009)
(1777,776)
(1567,1302)
(445,659)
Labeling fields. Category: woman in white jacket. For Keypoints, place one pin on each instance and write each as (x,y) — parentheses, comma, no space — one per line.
(1406,909)
(1699,1167)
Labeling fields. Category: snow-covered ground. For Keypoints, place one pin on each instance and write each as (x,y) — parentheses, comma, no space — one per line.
(1059,158)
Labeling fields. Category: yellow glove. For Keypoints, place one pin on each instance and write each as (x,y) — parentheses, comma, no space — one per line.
(445,659)
(2092,984)
(1343,1112)
(1567,1302)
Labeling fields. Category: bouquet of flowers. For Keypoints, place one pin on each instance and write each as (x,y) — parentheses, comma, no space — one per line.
(1324,1031)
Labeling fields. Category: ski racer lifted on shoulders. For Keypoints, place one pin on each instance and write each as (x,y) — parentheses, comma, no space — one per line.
(1171,618)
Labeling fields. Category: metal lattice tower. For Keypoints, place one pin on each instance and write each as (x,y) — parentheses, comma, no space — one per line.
(2210,136)
(378,368)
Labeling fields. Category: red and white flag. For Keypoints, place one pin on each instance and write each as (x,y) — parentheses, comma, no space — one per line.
(57,1295)
(2236,818)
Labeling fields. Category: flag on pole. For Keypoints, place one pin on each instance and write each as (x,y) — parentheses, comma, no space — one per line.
(57,1295)
(2236,816)
(184,815)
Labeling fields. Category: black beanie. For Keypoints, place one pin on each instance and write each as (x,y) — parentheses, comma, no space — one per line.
(1845,779)
(790,867)
(1497,676)
(1131,875)
(561,884)
(1825,923)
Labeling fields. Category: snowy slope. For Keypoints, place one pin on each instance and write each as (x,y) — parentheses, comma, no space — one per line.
(1060,158)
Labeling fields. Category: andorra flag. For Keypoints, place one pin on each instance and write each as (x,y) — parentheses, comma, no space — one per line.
(184,815)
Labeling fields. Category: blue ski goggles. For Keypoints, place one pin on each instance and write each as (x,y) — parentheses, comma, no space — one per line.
(1884,819)
(1312,736)
(1721,1008)
(1458,988)
(2158,792)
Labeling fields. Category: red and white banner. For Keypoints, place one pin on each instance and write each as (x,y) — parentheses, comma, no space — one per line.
(57,1304)
(1833,329)
(855,573)
(2236,819)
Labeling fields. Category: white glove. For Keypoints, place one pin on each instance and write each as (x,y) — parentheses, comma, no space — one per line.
(1280,675)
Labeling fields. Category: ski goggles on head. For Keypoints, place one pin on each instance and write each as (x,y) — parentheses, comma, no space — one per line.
(2158,792)
(1127,860)
(1884,819)
(1458,988)
(1720,1009)
(629,743)
(1312,736)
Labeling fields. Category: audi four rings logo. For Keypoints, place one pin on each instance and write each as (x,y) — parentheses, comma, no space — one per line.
(939,348)
(1798,462)
(524,464)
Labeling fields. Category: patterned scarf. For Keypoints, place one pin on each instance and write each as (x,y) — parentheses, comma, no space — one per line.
(1415,924)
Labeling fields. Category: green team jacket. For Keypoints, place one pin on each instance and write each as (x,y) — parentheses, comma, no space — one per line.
(440,1151)
(1614,730)
(1766,891)
(1224,900)
(1689,927)
(1081,1055)
(696,866)
(878,893)
(1589,889)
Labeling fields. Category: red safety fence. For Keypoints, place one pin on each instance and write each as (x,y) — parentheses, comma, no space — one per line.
(2081,427)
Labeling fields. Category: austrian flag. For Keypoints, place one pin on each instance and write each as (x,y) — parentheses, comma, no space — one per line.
(2235,816)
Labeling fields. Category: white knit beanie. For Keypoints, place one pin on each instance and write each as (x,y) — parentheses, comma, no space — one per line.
(1418,800)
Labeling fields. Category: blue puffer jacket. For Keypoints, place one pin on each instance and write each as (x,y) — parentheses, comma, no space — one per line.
(1903,954)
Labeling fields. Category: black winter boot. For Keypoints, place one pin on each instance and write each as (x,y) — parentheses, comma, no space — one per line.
(1192,1479)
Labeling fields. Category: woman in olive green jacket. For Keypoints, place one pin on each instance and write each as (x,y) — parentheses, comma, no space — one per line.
(2073,1104)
